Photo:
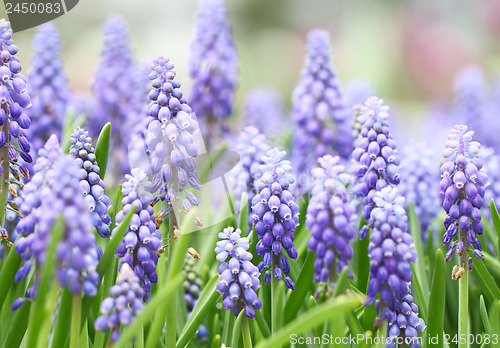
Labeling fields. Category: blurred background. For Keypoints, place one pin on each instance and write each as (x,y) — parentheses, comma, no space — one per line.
(409,51)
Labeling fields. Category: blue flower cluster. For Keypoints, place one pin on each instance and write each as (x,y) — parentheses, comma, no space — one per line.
(330,215)
(321,116)
(404,323)
(275,215)
(462,190)
(48,86)
(192,290)
(14,101)
(54,192)
(376,159)
(265,110)
(391,253)
(251,146)
(122,306)
(213,66)
(169,136)
(239,278)
(142,241)
(419,184)
(91,185)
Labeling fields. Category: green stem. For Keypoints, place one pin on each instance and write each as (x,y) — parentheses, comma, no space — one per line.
(76,317)
(4,177)
(463,292)
(276,305)
(139,342)
(245,328)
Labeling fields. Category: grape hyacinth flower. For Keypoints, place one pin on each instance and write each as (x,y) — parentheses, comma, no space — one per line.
(48,86)
(14,102)
(376,160)
(391,252)
(330,215)
(116,100)
(142,241)
(58,195)
(213,68)
(275,215)
(169,138)
(192,290)
(239,278)
(404,324)
(319,111)
(91,185)
(123,305)
(419,184)
(462,191)
(265,110)
(251,146)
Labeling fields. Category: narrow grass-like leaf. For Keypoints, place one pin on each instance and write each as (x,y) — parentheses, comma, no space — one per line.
(204,170)
(61,329)
(228,323)
(297,296)
(261,322)
(235,337)
(102,149)
(7,274)
(18,327)
(492,264)
(486,282)
(361,260)
(422,299)
(435,319)
(70,123)
(243,218)
(342,282)
(206,302)
(420,270)
(165,296)
(495,318)
(495,217)
(331,310)
(38,314)
(484,315)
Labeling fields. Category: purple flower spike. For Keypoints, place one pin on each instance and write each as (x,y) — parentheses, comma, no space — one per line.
(405,323)
(419,184)
(142,240)
(213,67)
(123,305)
(321,116)
(330,215)
(275,228)
(463,186)
(391,253)
(54,192)
(376,160)
(239,278)
(251,147)
(91,184)
(265,110)
(170,134)
(48,86)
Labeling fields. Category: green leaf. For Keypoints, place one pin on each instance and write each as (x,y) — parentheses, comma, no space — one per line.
(261,322)
(296,298)
(485,281)
(102,149)
(165,296)
(493,265)
(420,271)
(18,327)
(419,294)
(342,282)
(206,302)
(243,221)
(70,124)
(38,310)
(61,329)
(484,315)
(331,310)
(361,260)
(435,319)
(7,274)
(237,330)
(495,317)
(495,217)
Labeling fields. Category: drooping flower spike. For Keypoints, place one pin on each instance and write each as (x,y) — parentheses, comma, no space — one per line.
(321,116)
(57,194)
(213,68)
(48,86)
(391,252)
(251,146)
(14,102)
(91,185)
(462,191)
(275,215)
(142,241)
(123,305)
(330,215)
(239,278)
(376,160)
(169,137)
(419,184)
